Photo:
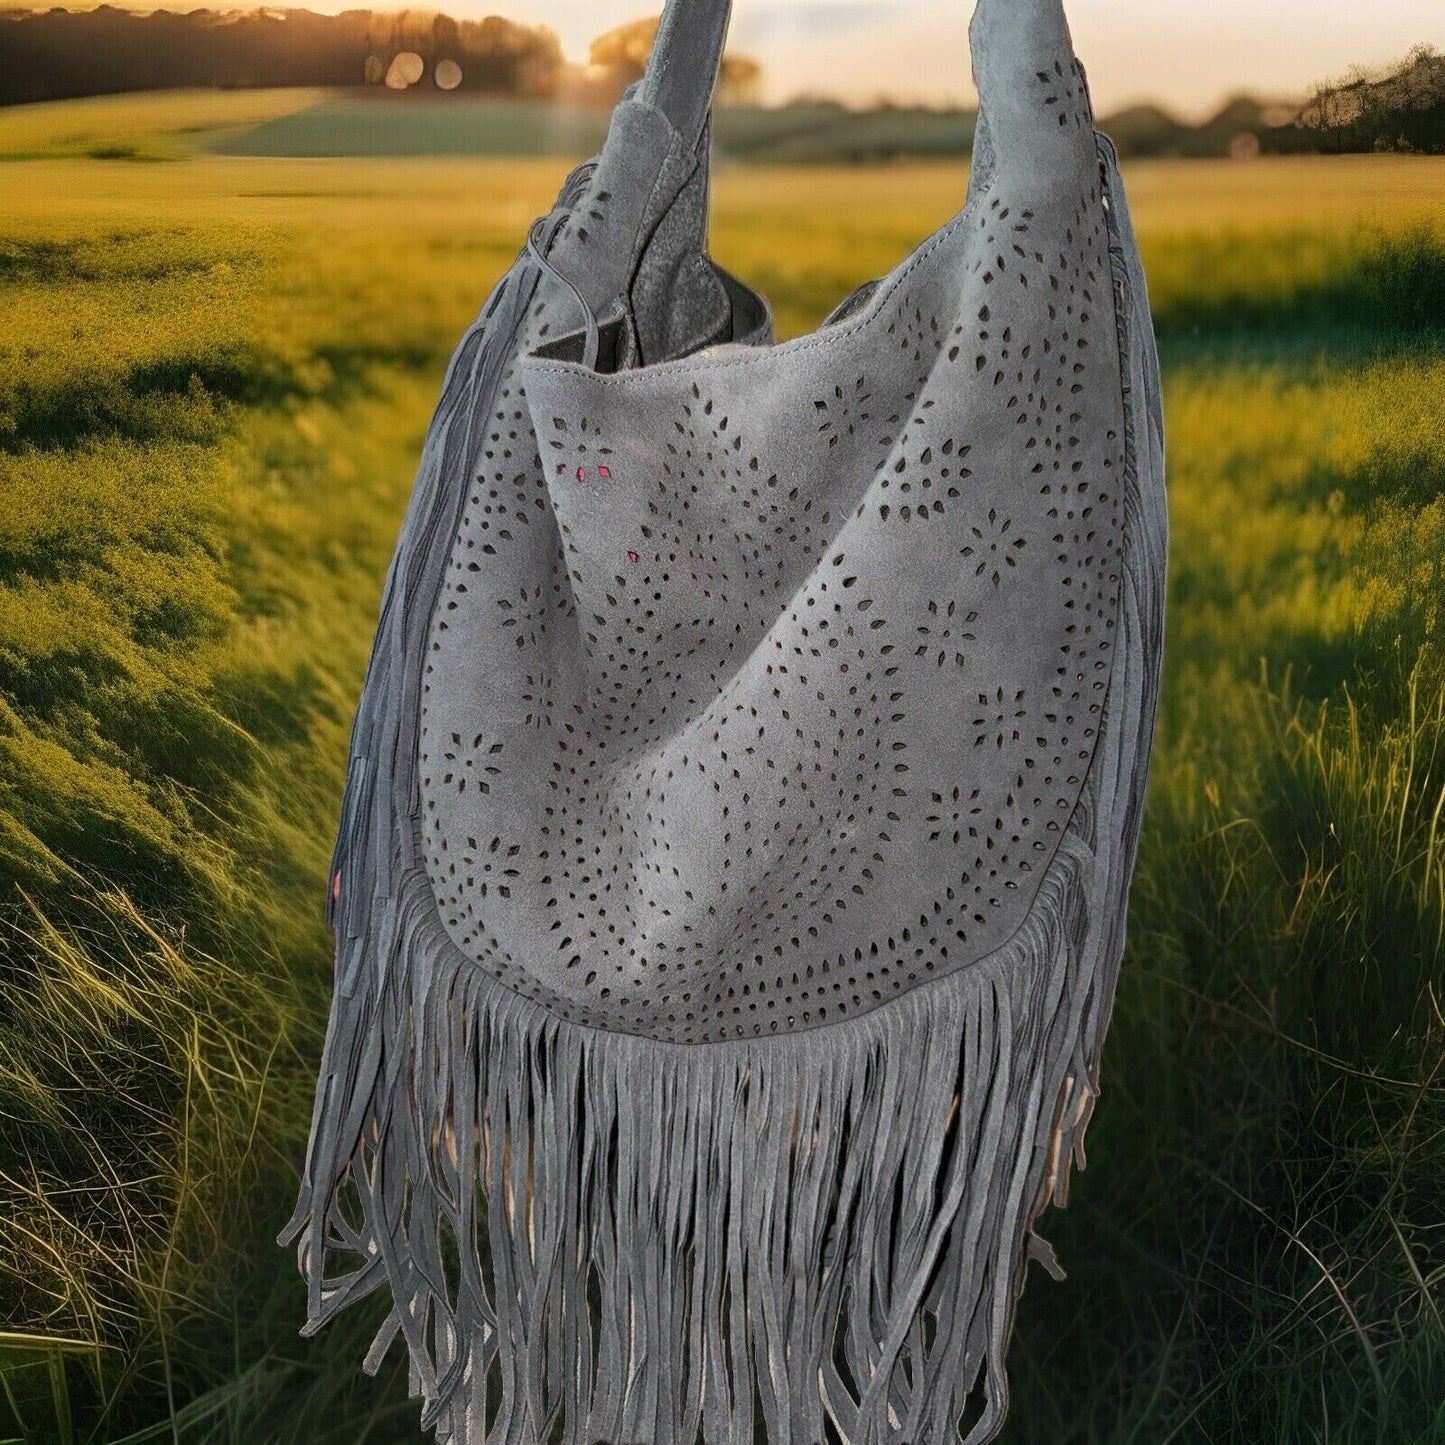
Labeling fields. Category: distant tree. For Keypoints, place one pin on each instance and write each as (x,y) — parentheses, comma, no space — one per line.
(446,35)
(511,59)
(58,53)
(618,57)
(1402,109)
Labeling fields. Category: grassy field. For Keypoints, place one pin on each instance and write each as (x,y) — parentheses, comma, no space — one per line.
(214,382)
(380,122)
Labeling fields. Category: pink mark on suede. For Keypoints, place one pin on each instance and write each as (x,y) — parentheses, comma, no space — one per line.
(581,474)
(632,556)
(603,472)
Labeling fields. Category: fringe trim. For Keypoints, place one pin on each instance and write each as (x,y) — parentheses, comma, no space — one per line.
(594,1236)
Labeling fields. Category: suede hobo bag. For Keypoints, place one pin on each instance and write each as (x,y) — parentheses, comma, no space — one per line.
(731,877)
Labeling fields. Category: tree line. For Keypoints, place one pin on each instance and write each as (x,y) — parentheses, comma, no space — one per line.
(57,54)
(1401,110)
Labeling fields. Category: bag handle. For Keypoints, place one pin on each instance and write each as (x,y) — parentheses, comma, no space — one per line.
(686,59)
(1019,49)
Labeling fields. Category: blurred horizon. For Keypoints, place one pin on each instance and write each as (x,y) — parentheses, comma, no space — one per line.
(869,52)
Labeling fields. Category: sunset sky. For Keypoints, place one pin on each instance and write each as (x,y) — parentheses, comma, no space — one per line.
(1187,53)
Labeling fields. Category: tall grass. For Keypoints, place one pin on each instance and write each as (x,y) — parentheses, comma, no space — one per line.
(1259,1254)
(207,433)
(1313,286)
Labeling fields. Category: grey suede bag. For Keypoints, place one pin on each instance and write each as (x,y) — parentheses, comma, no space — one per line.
(732,868)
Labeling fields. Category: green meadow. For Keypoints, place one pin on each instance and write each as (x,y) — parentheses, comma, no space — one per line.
(215,376)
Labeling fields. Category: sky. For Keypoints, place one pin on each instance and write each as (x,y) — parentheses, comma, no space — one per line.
(1186,54)
(1190,54)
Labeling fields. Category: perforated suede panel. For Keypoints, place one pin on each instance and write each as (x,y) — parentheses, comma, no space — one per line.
(761,686)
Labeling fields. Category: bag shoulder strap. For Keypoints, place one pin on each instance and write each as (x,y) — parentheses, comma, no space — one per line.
(683,68)
(1016,46)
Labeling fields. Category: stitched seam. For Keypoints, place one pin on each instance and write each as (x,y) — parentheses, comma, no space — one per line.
(687,365)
